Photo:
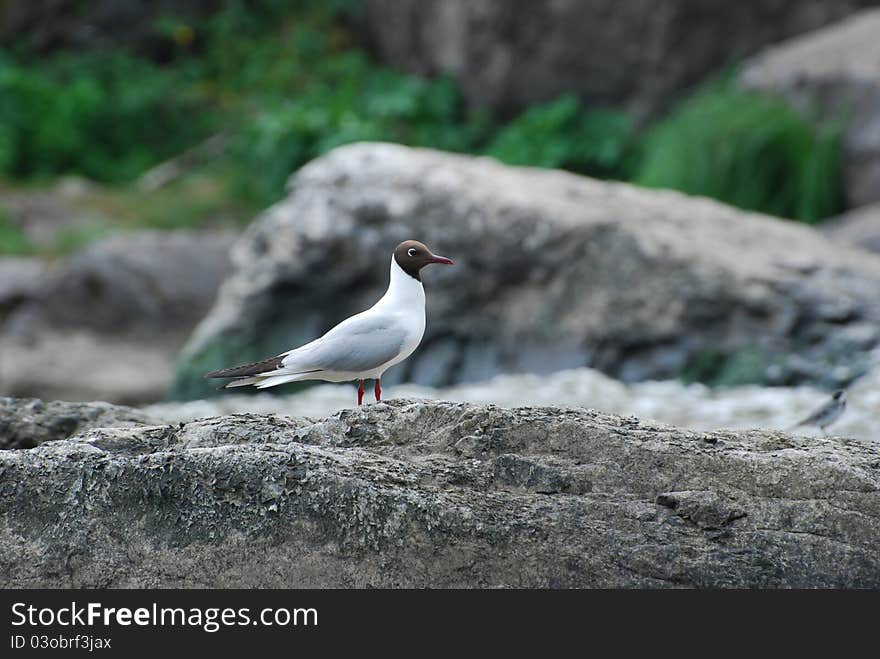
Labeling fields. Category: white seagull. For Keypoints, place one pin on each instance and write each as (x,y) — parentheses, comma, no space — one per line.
(359,348)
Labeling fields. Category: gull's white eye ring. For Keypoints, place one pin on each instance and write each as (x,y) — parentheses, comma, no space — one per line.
(411,251)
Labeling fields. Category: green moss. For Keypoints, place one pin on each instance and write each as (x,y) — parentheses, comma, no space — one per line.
(266,336)
(67,241)
(189,382)
(197,200)
(720,368)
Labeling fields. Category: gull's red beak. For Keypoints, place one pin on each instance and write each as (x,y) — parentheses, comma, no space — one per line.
(441,259)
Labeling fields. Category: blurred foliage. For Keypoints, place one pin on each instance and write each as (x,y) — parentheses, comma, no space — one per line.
(107,117)
(563,135)
(284,80)
(72,239)
(354,100)
(749,150)
(192,201)
(280,77)
(13,241)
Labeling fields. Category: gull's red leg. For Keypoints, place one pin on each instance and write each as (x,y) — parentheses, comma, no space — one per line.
(360,392)
(378,390)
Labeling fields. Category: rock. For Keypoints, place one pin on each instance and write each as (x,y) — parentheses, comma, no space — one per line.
(81,365)
(507,55)
(860,227)
(109,322)
(554,271)
(707,510)
(20,279)
(47,217)
(834,71)
(26,423)
(672,402)
(138,283)
(437,495)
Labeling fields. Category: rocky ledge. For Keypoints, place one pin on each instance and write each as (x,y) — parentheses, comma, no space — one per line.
(433,494)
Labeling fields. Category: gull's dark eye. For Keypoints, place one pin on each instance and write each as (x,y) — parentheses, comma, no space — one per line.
(412,251)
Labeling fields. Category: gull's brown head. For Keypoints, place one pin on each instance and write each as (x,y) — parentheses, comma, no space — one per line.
(412,256)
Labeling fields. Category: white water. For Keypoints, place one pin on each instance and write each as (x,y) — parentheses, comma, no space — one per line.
(692,406)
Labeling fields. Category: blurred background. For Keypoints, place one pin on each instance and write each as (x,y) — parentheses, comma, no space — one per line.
(140,140)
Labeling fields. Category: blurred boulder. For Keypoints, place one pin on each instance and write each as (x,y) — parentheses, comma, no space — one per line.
(28,422)
(45,217)
(428,494)
(21,278)
(835,72)
(507,54)
(108,322)
(860,227)
(553,271)
(137,283)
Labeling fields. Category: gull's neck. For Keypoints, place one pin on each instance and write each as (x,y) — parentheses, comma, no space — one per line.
(403,291)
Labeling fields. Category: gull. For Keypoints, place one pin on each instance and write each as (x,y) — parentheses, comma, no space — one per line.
(827,414)
(361,347)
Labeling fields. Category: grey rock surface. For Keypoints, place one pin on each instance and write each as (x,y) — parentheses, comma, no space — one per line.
(47,217)
(20,279)
(108,322)
(859,227)
(28,422)
(135,282)
(507,54)
(835,72)
(553,271)
(433,494)
(672,402)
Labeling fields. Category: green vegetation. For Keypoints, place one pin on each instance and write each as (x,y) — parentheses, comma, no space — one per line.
(747,149)
(357,101)
(13,241)
(283,83)
(563,135)
(186,203)
(107,117)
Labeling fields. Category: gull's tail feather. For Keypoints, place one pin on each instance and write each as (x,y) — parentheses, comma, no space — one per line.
(254,368)
(240,382)
(267,380)
(262,374)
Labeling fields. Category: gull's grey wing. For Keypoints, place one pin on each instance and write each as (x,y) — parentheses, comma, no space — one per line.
(356,345)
